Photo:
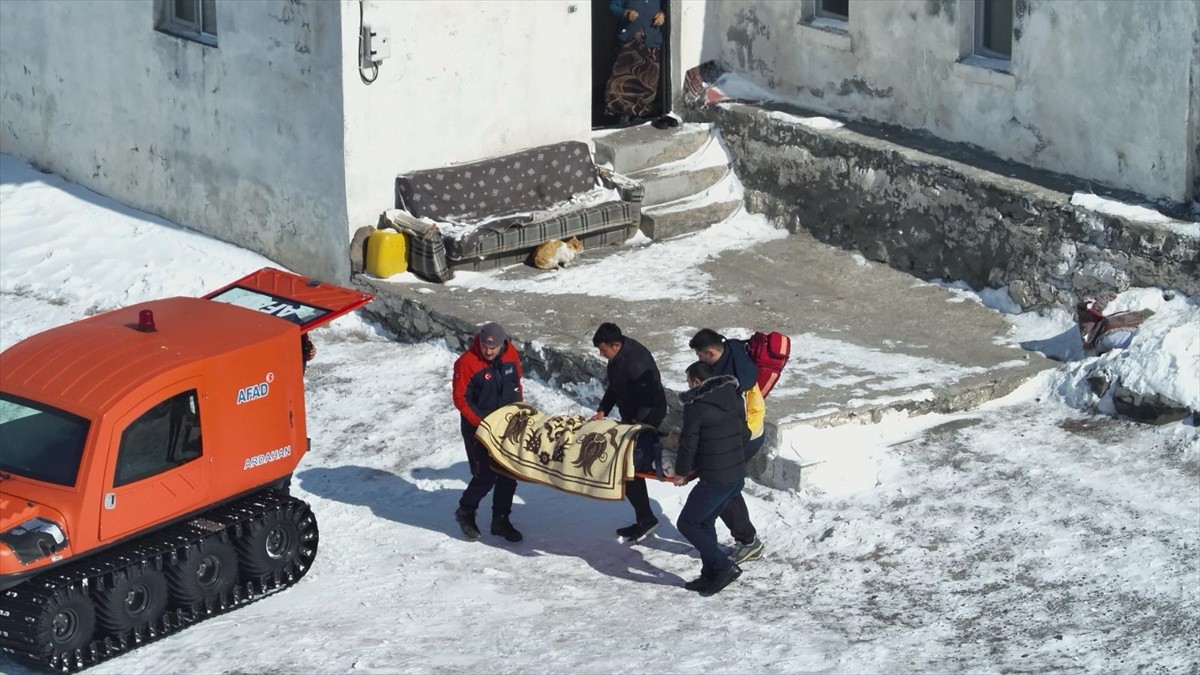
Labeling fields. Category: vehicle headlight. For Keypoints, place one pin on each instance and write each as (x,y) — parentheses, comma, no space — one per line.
(35,539)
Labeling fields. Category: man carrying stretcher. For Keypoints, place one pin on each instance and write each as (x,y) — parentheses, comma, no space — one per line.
(635,388)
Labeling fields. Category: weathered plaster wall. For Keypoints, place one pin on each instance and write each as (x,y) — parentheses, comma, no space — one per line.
(937,218)
(698,38)
(242,141)
(1195,113)
(465,81)
(1100,90)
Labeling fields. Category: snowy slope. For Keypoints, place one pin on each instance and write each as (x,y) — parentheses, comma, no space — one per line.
(1024,535)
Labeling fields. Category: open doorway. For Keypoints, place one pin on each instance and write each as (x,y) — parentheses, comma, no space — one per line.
(604,51)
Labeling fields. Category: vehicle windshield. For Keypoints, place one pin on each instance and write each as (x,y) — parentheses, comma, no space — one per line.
(40,441)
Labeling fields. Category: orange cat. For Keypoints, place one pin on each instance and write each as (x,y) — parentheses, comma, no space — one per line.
(556,253)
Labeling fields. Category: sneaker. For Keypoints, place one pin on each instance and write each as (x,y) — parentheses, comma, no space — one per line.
(466,520)
(503,528)
(723,579)
(637,531)
(747,552)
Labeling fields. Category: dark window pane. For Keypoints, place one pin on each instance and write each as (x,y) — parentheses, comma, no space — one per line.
(185,10)
(40,442)
(208,14)
(997,26)
(164,437)
(836,8)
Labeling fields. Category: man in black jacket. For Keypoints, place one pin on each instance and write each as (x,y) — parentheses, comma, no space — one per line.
(712,444)
(635,389)
(730,357)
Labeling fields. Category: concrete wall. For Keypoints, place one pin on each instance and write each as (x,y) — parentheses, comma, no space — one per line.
(242,141)
(1195,114)
(937,218)
(697,38)
(1097,89)
(272,140)
(465,81)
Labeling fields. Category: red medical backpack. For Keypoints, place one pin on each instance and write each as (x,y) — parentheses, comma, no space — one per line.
(770,352)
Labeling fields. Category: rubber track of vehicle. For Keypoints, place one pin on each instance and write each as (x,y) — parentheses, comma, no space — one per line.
(23,602)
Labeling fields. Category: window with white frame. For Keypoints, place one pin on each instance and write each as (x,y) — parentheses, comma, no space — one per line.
(994,29)
(190,19)
(838,10)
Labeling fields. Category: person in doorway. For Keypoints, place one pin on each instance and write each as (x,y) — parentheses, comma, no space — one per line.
(633,86)
(730,357)
(712,444)
(486,377)
(635,389)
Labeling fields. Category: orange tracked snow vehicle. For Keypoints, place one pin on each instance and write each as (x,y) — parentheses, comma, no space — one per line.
(145,459)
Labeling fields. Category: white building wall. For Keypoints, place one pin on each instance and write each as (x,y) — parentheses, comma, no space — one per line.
(1099,89)
(465,81)
(1195,114)
(696,36)
(241,141)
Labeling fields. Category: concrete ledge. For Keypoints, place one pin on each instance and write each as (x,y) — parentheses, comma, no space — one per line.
(414,321)
(957,214)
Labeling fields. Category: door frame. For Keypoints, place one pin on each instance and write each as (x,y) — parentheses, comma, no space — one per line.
(606,33)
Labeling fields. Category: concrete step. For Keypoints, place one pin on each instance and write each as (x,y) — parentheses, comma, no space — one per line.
(688,176)
(695,212)
(667,185)
(643,146)
(659,225)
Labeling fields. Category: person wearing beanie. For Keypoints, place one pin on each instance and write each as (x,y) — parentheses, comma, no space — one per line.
(486,377)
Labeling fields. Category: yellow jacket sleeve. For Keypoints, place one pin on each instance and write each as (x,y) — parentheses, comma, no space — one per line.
(756,411)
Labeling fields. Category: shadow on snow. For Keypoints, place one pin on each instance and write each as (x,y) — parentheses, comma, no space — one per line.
(554,523)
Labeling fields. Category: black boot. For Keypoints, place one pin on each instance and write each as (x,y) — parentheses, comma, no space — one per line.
(502,527)
(638,531)
(466,520)
(722,580)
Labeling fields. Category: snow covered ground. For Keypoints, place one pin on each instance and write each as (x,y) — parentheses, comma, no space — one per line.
(1025,535)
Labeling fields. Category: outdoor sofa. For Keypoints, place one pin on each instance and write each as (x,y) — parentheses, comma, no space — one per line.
(494,212)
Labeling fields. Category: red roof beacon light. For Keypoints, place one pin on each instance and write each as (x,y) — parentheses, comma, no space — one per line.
(146,321)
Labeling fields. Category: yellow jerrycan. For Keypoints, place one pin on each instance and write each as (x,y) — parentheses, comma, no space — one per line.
(386,253)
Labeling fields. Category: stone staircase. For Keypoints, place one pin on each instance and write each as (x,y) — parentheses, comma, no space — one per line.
(687,173)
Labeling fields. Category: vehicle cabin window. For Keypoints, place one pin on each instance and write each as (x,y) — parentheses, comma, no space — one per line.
(165,437)
(39,441)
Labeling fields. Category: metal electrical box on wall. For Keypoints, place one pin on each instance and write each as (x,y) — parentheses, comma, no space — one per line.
(376,45)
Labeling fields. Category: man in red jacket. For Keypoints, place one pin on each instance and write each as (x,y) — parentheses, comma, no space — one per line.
(486,377)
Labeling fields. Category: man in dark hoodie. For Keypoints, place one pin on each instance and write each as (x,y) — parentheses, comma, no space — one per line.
(712,444)
(635,389)
(486,377)
(731,357)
